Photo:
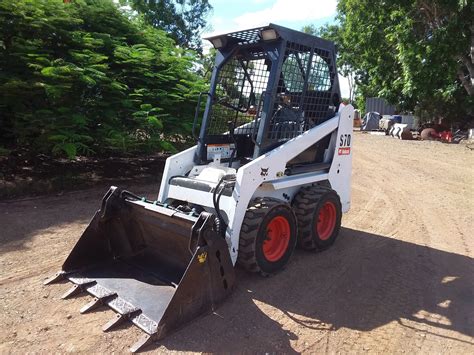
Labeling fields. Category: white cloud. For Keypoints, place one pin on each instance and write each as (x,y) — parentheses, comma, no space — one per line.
(288,10)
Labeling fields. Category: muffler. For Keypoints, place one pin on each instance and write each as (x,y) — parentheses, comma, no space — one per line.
(155,266)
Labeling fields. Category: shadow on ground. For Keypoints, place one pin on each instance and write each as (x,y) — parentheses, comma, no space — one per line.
(365,281)
(20,220)
(22,176)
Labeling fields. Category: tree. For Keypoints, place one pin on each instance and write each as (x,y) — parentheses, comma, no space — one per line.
(184,20)
(416,54)
(82,78)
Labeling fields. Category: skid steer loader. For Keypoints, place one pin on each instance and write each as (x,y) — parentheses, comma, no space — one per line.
(271,169)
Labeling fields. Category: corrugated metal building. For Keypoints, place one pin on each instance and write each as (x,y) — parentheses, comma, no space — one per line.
(377,104)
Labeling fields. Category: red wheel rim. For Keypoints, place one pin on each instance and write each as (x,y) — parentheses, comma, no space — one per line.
(277,239)
(326,220)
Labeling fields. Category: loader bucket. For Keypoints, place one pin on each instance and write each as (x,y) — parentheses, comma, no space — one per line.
(156,267)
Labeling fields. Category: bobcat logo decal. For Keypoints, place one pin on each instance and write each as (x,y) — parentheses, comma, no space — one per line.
(264,172)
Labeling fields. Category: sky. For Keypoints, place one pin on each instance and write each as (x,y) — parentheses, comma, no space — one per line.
(238,15)
(232,15)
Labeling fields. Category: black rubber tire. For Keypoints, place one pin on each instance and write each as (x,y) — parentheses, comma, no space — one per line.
(253,233)
(307,204)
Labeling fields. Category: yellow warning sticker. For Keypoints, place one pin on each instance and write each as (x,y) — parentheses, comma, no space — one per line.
(202,257)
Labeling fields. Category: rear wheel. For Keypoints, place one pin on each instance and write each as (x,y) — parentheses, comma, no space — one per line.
(318,211)
(267,237)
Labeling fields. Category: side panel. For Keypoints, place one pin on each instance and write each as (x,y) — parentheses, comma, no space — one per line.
(178,164)
(341,168)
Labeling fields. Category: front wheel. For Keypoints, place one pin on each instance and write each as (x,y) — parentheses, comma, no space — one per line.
(318,211)
(267,237)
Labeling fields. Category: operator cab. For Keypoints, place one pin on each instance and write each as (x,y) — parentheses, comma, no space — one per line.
(269,85)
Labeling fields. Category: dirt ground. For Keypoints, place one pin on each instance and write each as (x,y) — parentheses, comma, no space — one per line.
(400,278)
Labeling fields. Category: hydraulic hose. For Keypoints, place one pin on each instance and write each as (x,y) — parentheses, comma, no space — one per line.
(217,194)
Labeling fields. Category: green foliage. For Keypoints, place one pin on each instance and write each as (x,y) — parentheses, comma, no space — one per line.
(83,78)
(207,64)
(416,54)
(183,19)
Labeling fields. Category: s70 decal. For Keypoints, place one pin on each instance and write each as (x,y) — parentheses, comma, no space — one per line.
(344,144)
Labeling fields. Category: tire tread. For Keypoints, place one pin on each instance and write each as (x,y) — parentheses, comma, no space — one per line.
(304,204)
(256,211)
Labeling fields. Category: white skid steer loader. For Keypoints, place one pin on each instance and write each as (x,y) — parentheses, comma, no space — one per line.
(271,170)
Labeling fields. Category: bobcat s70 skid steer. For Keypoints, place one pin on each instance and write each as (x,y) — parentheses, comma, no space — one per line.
(271,170)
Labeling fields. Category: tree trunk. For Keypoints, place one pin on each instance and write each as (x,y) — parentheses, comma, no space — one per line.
(468,65)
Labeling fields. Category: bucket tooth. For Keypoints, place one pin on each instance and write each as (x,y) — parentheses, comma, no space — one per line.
(114,322)
(55,278)
(125,311)
(101,296)
(73,291)
(143,342)
(94,304)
